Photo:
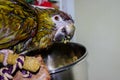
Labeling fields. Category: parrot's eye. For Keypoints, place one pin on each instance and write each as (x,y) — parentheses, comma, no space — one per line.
(56,18)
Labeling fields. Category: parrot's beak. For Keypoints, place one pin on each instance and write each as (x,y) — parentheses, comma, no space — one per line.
(64,33)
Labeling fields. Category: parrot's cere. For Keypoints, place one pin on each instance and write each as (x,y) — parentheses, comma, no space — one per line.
(25,28)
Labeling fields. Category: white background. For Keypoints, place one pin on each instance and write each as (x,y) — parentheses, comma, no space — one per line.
(98,28)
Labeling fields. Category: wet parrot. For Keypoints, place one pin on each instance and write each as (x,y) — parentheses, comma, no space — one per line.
(25,28)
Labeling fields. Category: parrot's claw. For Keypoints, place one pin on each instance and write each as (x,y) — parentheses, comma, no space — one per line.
(24,52)
(5,52)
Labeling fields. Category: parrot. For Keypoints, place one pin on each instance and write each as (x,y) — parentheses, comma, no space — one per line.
(24,27)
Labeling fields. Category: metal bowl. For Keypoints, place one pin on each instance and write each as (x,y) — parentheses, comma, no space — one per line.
(60,56)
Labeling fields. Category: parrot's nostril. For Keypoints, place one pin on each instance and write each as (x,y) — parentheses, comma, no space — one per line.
(64,31)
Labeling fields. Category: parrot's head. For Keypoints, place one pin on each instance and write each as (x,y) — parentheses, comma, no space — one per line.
(54,26)
(64,27)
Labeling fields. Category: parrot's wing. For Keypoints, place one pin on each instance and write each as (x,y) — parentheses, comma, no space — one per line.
(17,22)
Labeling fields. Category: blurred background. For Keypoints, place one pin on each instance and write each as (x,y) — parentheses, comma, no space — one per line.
(98,28)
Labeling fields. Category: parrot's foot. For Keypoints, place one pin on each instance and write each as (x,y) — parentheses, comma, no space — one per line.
(5,52)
